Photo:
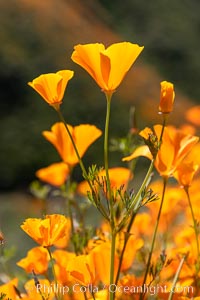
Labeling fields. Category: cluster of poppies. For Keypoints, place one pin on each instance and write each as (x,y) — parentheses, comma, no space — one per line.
(147,245)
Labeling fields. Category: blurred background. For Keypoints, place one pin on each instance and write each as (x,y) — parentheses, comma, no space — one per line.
(38,37)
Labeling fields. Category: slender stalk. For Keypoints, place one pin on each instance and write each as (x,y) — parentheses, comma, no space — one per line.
(136,202)
(154,234)
(53,271)
(36,281)
(106,164)
(195,229)
(100,207)
(110,198)
(176,277)
(112,263)
(73,143)
(126,238)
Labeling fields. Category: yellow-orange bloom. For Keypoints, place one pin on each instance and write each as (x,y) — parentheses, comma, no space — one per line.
(55,174)
(84,135)
(175,146)
(36,260)
(34,291)
(9,289)
(118,177)
(82,269)
(49,231)
(185,173)
(52,86)
(167,96)
(192,115)
(107,66)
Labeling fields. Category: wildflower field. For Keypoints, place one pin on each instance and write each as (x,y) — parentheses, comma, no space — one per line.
(142,241)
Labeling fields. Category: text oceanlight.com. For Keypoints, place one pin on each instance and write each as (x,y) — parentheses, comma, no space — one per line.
(78,288)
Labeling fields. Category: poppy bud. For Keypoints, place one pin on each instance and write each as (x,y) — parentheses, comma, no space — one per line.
(167,96)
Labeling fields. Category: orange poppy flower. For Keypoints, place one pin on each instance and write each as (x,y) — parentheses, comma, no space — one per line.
(193,114)
(46,288)
(82,269)
(167,96)
(107,66)
(174,148)
(52,86)
(49,231)
(185,172)
(9,289)
(133,245)
(62,258)
(36,260)
(84,135)
(118,177)
(55,174)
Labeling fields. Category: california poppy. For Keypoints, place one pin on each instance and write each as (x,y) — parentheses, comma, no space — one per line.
(84,135)
(36,260)
(55,174)
(174,148)
(185,173)
(118,177)
(48,231)
(9,289)
(52,86)
(192,115)
(167,96)
(82,269)
(107,66)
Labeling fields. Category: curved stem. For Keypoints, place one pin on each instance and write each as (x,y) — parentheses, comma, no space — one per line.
(154,234)
(109,197)
(195,229)
(106,164)
(73,143)
(85,175)
(53,271)
(176,277)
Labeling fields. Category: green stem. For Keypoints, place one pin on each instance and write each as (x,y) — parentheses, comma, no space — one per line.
(154,234)
(106,164)
(109,198)
(53,271)
(112,264)
(176,277)
(73,143)
(100,208)
(126,238)
(195,229)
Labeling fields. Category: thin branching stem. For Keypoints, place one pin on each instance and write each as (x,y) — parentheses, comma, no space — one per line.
(195,229)
(154,234)
(176,277)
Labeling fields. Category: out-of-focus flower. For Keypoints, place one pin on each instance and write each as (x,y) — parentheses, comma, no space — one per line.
(167,96)
(9,289)
(174,148)
(52,86)
(82,268)
(132,246)
(36,260)
(119,177)
(185,173)
(193,115)
(62,259)
(187,128)
(55,174)
(107,66)
(44,288)
(84,135)
(1,238)
(51,230)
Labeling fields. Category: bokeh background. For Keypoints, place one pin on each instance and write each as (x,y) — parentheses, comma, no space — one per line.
(38,37)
